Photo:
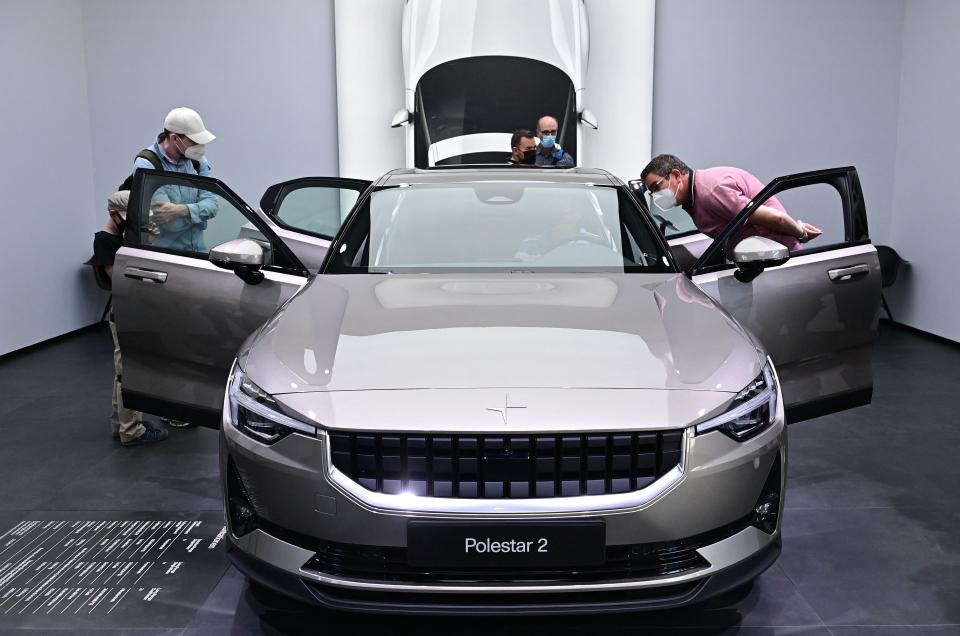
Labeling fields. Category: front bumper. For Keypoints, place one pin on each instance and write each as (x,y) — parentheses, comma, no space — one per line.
(302,503)
(256,564)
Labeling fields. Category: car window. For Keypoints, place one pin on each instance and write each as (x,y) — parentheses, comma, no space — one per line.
(186,217)
(820,205)
(672,222)
(498,226)
(318,210)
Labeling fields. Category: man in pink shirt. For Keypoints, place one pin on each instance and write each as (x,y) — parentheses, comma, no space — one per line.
(712,197)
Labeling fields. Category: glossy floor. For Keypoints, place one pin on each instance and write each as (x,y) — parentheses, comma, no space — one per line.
(871,538)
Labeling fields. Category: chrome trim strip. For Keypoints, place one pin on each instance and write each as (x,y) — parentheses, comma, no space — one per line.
(453,506)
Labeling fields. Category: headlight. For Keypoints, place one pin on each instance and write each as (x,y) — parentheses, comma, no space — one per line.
(256,414)
(753,409)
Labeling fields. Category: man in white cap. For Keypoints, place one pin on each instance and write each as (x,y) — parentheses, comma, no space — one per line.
(181,213)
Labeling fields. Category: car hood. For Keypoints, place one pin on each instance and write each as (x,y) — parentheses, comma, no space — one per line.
(596,331)
(438,31)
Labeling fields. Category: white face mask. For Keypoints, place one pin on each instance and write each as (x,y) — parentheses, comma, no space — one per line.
(193,153)
(665,198)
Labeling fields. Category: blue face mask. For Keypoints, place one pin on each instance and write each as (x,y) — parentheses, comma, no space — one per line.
(549,141)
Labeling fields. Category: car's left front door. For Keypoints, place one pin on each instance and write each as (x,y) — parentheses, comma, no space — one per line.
(181,318)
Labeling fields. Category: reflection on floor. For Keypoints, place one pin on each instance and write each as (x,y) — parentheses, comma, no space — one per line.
(871,540)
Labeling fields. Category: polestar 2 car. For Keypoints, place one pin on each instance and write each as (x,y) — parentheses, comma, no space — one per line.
(492,389)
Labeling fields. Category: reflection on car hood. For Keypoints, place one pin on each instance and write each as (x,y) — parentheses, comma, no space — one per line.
(627,331)
(438,31)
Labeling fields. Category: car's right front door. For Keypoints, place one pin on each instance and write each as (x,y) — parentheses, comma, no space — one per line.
(817,313)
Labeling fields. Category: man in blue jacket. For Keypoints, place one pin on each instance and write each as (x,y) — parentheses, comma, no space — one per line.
(551,154)
(180,213)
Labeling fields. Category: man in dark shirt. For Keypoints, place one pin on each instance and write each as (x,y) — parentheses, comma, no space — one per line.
(127,424)
(523,147)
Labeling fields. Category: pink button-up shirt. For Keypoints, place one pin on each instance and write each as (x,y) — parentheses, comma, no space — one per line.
(719,194)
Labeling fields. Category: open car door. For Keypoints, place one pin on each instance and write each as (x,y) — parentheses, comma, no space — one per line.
(816,313)
(189,289)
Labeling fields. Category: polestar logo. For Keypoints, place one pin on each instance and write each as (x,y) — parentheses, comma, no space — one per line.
(504,410)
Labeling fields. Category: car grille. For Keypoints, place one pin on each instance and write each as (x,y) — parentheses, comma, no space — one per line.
(501,466)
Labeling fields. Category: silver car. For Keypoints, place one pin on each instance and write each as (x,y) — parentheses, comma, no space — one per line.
(493,389)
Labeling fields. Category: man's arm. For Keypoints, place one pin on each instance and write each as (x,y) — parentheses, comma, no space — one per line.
(782,223)
(566,161)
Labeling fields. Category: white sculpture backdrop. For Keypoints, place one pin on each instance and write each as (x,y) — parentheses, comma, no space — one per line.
(618,82)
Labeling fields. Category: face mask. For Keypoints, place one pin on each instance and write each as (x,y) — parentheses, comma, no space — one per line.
(529,156)
(193,153)
(665,198)
(549,141)
(122,226)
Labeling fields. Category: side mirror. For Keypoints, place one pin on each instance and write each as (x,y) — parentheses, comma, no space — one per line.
(244,257)
(588,118)
(756,253)
(401,118)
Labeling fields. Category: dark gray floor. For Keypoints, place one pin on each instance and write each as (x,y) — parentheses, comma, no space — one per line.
(871,532)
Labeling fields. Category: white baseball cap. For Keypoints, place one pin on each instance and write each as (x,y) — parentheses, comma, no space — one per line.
(186,121)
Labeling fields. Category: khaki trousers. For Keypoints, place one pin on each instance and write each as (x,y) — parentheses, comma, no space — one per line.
(123,421)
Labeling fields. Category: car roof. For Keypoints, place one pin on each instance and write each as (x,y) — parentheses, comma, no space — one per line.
(480,173)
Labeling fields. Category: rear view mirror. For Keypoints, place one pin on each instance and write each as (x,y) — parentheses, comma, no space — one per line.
(244,257)
(401,118)
(588,118)
(756,253)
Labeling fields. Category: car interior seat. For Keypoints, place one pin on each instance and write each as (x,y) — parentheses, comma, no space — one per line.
(103,282)
(890,264)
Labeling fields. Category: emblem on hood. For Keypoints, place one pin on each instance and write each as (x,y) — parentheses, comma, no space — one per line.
(504,410)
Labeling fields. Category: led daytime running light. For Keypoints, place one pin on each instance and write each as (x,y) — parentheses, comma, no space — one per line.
(239,398)
(768,394)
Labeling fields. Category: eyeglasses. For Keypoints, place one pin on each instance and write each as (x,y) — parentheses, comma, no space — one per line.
(656,186)
(549,132)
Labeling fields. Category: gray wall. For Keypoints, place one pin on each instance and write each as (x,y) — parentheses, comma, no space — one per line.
(86,85)
(925,199)
(782,87)
(45,174)
(260,74)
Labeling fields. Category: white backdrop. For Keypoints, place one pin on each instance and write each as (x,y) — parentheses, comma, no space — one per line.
(619,85)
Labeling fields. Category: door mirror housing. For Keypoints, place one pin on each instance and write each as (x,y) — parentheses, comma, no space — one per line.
(244,257)
(401,118)
(588,118)
(756,253)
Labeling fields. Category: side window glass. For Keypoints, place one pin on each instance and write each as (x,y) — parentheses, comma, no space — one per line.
(182,216)
(672,222)
(315,209)
(819,205)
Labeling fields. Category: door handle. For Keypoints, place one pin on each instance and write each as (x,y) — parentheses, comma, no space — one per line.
(844,274)
(148,275)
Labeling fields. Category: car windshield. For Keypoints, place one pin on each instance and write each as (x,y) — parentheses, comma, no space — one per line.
(498,227)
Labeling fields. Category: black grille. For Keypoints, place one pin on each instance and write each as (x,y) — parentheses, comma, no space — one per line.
(498,466)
